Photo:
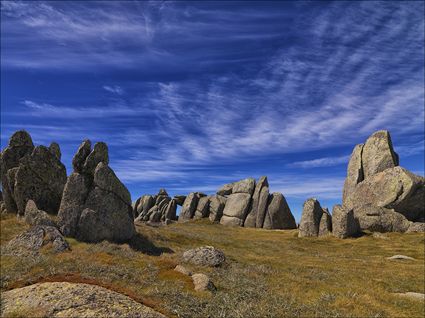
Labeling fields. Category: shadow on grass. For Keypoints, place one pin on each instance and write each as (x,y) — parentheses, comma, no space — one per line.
(141,243)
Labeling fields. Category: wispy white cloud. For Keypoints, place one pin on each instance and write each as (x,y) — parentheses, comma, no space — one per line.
(320,162)
(114,89)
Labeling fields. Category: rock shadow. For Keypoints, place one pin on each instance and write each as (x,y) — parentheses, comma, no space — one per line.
(141,243)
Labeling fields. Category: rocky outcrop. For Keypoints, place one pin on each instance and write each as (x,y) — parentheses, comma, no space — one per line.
(343,222)
(278,214)
(37,237)
(95,204)
(310,218)
(204,256)
(382,196)
(29,173)
(394,188)
(59,299)
(155,208)
(242,203)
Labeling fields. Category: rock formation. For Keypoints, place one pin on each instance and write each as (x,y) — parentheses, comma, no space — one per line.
(95,204)
(325,226)
(343,222)
(155,208)
(381,195)
(310,218)
(217,203)
(189,206)
(257,212)
(34,216)
(278,214)
(29,173)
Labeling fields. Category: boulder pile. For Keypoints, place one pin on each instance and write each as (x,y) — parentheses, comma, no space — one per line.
(31,173)
(156,208)
(95,204)
(243,203)
(378,194)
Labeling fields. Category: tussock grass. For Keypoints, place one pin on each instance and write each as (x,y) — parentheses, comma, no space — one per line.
(267,273)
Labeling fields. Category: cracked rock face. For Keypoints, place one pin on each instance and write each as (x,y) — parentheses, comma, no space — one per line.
(30,173)
(63,299)
(95,204)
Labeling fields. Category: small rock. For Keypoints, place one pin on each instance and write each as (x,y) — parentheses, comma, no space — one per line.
(203,283)
(205,255)
(380,235)
(413,295)
(402,257)
(418,227)
(183,270)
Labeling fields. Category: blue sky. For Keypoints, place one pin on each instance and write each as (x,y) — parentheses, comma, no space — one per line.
(192,95)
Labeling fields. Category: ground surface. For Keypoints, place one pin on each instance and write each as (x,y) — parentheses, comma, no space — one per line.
(267,273)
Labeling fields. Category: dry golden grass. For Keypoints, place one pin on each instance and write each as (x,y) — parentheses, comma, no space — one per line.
(267,274)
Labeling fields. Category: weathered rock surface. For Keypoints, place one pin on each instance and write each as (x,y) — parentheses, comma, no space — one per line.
(156,208)
(310,218)
(237,206)
(62,299)
(74,196)
(20,145)
(354,172)
(40,177)
(258,207)
(416,227)
(203,208)
(203,283)
(95,204)
(34,216)
(37,237)
(29,173)
(55,150)
(278,214)
(394,188)
(325,227)
(189,207)
(217,203)
(378,154)
(226,189)
(378,219)
(343,222)
(205,256)
(244,186)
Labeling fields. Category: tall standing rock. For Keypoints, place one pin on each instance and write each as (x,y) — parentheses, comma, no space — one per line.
(310,218)
(278,215)
(378,154)
(259,204)
(354,172)
(95,204)
(20,145)
(343,222)
(40,177)
(325,227)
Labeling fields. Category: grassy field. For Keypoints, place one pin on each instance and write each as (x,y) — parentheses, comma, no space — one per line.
(267,273)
